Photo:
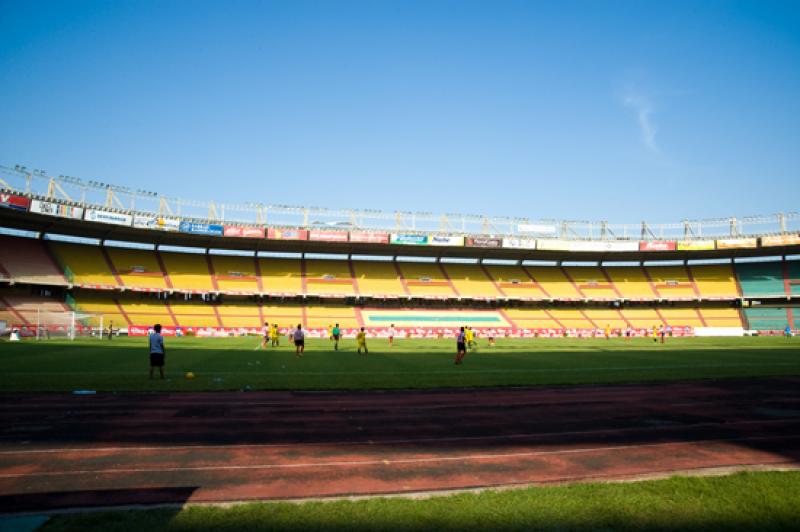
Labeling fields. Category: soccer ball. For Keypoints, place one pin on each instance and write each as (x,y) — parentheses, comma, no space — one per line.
(189,375)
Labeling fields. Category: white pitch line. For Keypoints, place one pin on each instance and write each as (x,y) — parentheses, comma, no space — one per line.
(381,461)
(386,442)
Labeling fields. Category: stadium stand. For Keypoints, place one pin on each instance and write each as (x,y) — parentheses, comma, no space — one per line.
(766,318)
(426,279)
(380,279)
(137,269)
(591,282)
(321,317)
(27,260)
(553,282)
(329,277)
(515,282)
(281,276)
(759,279)
(84,265)
(631,282)
(189,271)
(235,274)
(715,281)
(672,282)
(470,280)
(793,277)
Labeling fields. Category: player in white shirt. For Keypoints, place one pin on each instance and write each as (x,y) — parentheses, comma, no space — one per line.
(391,334)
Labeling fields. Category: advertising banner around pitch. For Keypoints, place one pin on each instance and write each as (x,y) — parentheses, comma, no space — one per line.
(585,245)
(201,229)
(695,245)
(409,240)
(484,242)
(519,243)
(108,217)
(657,246)
(243,232)
(780,240)
(56,209)
(287,234)
(736,243)
(12,201)
(437,240)
(156,223)
(327,236)
(369,238)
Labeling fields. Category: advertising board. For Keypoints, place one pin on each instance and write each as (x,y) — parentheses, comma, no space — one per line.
(409,239)
(519,243)
(657,246)
(287,234)
(437,240)
(12,201)
(327,236)
(364,237)
(695,245)
(201,228)
(243,232)
(108,217)
(780,240)
(56,209)
(484,242)
(736,243)
(156,223)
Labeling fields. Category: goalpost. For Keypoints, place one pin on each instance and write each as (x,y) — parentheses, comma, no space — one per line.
(69,324)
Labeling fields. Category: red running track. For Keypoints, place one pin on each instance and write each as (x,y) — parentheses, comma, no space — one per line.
(63,451)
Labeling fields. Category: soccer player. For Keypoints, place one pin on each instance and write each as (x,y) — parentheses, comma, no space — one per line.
(787,332)
(336,333)
(157,353)
(110,330)
(330,332)
(265,332)
(276,336)
(655,333)
(391,334)
(461,346)
(299,341)
(469,337)
(608,331)
(662,332)
(361,338)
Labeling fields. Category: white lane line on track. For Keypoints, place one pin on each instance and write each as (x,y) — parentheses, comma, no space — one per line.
(458,371)
(398,441)
(386,461)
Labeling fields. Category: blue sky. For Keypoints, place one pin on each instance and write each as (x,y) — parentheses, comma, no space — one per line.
(620,111)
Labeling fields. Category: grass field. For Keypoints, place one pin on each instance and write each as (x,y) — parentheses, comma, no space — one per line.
(233,364)
(745,501)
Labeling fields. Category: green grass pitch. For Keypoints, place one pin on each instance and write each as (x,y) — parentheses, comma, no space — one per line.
(233,364)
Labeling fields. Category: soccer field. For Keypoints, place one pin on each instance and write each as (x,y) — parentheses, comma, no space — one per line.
(233,364)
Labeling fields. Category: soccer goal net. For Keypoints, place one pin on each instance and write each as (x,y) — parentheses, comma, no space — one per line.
(44,324)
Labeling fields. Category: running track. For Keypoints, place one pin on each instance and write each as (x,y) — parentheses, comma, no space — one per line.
(59,451)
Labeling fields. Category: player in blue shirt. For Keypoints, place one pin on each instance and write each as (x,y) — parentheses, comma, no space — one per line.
(157,352)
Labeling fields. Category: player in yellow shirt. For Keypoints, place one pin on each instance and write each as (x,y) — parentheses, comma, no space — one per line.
(608,331)
(361,339)
(655,333)
(330,332)
(276,337)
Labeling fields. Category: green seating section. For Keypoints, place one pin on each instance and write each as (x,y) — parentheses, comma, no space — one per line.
(766,319)
(761,279)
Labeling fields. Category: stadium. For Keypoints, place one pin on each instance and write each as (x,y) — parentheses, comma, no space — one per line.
(116,267)
(399,266)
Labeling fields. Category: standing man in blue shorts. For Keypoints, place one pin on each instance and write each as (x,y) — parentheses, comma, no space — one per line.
(157,353)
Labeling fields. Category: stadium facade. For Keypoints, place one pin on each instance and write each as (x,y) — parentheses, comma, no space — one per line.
(133,258)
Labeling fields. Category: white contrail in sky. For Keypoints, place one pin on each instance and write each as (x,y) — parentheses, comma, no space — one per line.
(644,112)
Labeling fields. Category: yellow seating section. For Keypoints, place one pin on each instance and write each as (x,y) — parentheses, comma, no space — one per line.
(137,268)
(235,273)
(100,303)
(329,277)
(572,319)
(188,271)
(194,314)
(285,316)
(515,282)
(665,278)
(281,276)
(681,316)
(721,317)
(86,263)
(239,314)
(146,311)
(631,282)
(591,282)
(378,279)
(470,280)
(642,318)
(715,280)
(603,317)
(532,319)
(26,261)
(330,315)
(553,282)
(426,279)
